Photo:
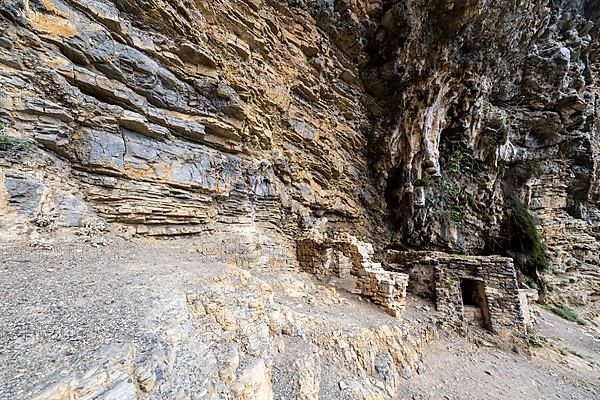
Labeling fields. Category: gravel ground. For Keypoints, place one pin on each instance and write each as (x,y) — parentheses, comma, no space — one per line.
(60,306)
(456,369)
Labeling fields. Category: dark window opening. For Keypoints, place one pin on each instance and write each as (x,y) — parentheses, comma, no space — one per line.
(469,289)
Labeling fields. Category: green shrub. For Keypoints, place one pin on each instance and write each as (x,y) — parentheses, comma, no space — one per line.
(518,237)
(451,201)
(528,165)
(8,143)
(531,283)
(454,166)
(425,181)
(534,339)
(449,188)
(456,214)
(567,313)
(526,245)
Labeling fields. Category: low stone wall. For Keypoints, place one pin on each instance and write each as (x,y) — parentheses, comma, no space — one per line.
(385,288)
(341,258)
(420,270)
(496,276)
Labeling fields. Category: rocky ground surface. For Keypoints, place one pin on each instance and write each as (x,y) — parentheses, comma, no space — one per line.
(566,367)
(160,319)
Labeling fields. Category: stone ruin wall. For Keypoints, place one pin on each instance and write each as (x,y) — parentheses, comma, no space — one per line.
(328,258)
(445,271)
(432,275)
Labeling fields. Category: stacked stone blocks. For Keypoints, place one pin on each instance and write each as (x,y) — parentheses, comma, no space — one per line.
(385,288)
(502,305)
(328,258)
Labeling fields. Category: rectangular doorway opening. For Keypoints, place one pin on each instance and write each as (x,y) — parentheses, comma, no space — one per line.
(475,307)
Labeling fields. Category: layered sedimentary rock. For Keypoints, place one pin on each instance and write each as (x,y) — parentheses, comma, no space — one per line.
(175,119)
(409,124)
(313,134)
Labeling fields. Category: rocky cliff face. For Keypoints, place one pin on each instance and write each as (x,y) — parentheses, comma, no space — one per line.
(410,124)
(181,118)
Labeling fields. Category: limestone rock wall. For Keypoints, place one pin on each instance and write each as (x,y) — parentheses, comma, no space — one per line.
(176,118)
(408,124)
(501,96)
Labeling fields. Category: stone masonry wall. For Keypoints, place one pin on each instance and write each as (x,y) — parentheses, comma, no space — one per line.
(385,288)
(325,259)
(329,258)
(497,274)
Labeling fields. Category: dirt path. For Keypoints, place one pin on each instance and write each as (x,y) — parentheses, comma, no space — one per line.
(566,367)
(568,337)
(458,369)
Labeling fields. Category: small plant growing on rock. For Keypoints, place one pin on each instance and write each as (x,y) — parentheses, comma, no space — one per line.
(496,132)
(6,142)
(429,166)
(451,283)
(428,163)
(455,213)
(575,353)
(525,243)
(454,163)
(567,313)
(11,144)
(448,201)
(528,165)
(532,283)
(535,341)
(425,181)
